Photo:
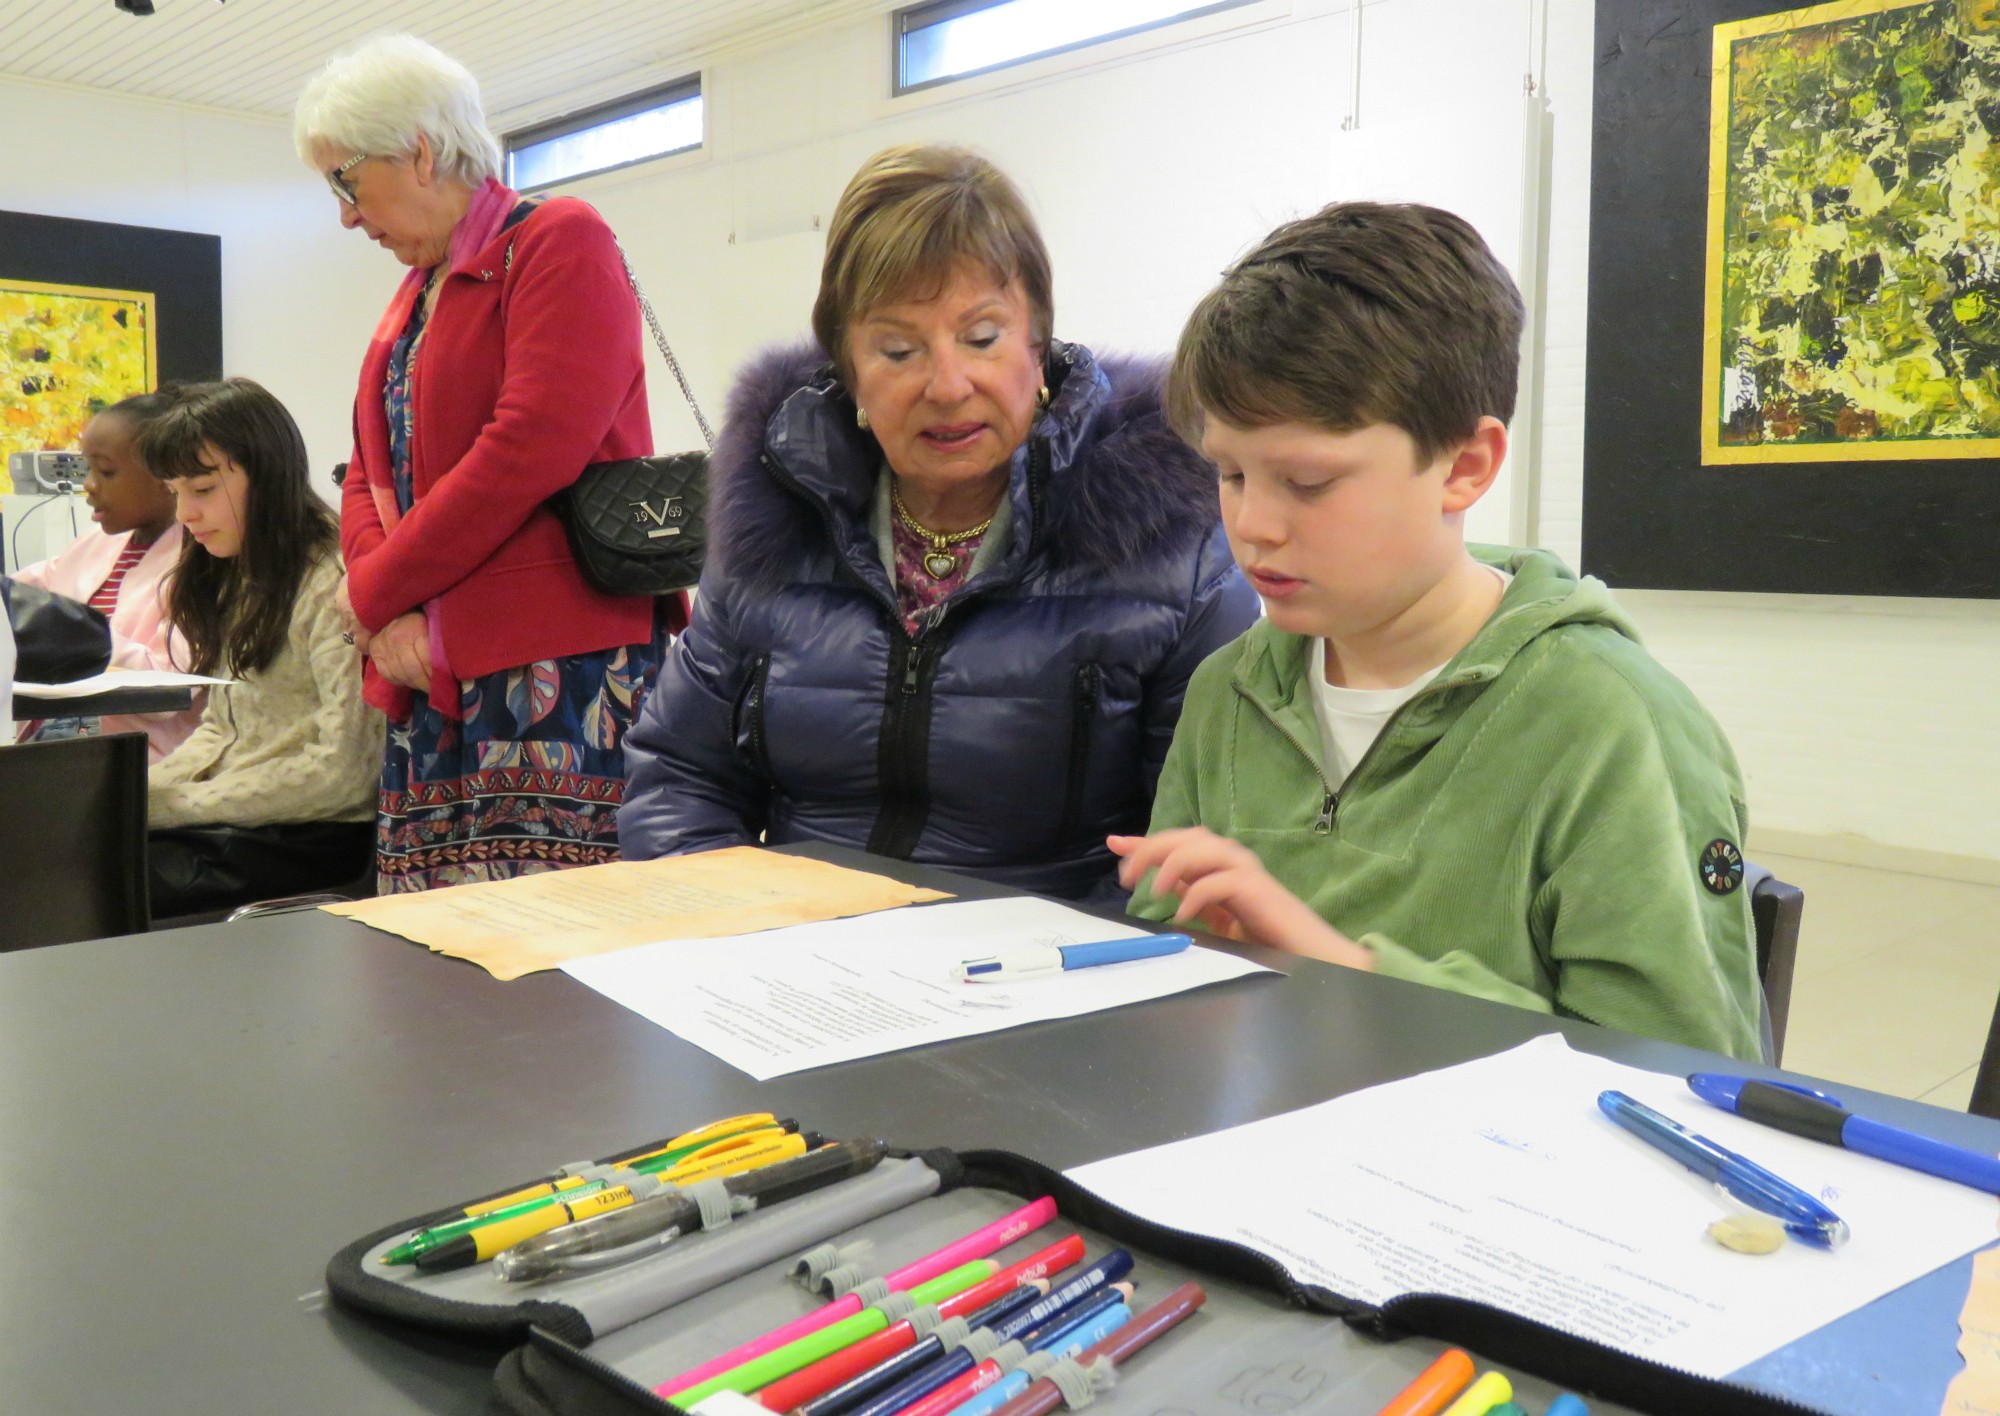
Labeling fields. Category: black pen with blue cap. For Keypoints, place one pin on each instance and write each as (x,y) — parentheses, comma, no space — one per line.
(1803,1216)
(1820,1116)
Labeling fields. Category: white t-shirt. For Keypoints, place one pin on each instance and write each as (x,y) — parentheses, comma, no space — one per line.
(1350,719)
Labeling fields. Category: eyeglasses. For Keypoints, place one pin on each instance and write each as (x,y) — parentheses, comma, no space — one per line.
(337,179)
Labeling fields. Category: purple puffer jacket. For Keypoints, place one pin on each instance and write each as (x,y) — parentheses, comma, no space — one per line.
(1030,715)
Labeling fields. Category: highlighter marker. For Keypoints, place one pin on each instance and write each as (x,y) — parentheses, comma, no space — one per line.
(1482,1396)
(1434,1387)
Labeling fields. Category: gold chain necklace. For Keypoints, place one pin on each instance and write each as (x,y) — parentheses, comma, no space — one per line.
(939,562)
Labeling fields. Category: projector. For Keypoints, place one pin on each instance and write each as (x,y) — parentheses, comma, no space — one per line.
(46,471)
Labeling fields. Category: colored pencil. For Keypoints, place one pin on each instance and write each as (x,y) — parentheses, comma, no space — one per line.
(1042,1396)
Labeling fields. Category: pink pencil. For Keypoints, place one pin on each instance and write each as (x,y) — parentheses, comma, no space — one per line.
(976,1245)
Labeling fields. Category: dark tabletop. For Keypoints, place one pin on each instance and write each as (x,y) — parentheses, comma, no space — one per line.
(164,699)
(236,1102)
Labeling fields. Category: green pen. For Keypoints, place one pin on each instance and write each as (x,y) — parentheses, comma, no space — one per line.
(783,1361)
(421,1243)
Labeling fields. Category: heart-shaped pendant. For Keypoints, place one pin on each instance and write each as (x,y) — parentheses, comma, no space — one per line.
(941,565)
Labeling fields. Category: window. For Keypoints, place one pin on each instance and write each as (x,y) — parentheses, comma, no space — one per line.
(950,39)
(636,129)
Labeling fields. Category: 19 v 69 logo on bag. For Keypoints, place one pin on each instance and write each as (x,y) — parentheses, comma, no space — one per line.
(669,512)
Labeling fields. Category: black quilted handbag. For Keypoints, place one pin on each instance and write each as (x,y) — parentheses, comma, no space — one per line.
(636,527)
(639,526)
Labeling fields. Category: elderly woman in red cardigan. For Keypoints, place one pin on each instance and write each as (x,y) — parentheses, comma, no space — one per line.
(508,360)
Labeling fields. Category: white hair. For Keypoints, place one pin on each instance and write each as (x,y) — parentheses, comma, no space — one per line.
(379,97)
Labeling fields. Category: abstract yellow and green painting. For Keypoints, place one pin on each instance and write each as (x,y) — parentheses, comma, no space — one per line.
(65,352)
(1853,293)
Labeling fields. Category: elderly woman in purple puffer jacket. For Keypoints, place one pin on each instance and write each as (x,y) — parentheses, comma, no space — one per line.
(959,575)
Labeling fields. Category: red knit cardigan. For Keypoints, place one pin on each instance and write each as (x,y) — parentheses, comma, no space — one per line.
(530,370)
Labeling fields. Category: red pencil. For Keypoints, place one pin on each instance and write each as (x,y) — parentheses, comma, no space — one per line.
(831,1370)
(1042,1397)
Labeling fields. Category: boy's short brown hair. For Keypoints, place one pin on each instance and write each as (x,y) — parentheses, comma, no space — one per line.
(909,216)
(1360,314)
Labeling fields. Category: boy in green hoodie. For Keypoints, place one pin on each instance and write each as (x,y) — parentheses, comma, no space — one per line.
(1449,764)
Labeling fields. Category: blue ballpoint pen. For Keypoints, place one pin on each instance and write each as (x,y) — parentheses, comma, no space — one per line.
(1817,1116)
(1803,1215)
(1040,959)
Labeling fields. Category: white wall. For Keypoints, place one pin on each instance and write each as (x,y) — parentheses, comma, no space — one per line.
(1150,171)
(1860,717)
(299,295)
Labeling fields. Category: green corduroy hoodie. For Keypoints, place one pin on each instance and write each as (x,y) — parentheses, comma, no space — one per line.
(1530,828)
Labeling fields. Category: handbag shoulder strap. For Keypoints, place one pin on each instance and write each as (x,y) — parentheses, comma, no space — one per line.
(526,209)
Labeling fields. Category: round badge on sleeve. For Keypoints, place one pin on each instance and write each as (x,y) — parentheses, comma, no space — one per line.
(1721,867)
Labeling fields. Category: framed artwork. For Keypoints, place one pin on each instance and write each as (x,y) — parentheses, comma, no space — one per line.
(91,312)
(1793,380)
(1853,296)
(67,351)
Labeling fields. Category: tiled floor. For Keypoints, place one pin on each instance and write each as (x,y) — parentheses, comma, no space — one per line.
(1897,977)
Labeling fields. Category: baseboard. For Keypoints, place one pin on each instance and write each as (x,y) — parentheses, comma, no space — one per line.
(1875,855)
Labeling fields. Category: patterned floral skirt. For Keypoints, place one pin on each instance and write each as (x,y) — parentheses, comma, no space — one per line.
(529,778)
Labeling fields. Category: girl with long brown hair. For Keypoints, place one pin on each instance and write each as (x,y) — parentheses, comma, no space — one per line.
(274,792)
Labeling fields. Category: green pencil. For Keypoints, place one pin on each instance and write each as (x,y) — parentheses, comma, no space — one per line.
(783,1361)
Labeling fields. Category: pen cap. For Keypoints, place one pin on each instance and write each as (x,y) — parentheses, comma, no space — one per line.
(784,1179)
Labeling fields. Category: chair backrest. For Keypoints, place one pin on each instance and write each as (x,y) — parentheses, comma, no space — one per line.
(1986,1083)
(72,839)
(1775,910)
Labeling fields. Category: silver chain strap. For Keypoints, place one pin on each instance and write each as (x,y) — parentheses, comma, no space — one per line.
(666,351)
(659,337)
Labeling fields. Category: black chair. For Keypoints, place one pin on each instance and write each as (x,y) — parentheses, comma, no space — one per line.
(1775,910)
(1986,1084)
(73,839)
(362,887)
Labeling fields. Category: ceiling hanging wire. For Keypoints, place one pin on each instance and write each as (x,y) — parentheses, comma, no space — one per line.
(1353,119)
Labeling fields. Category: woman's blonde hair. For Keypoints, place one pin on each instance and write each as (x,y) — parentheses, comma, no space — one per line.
(909,217)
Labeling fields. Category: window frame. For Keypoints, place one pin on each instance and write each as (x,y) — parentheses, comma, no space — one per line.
(597,115)
(937,12)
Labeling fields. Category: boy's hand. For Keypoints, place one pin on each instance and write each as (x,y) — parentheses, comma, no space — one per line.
(1223,885)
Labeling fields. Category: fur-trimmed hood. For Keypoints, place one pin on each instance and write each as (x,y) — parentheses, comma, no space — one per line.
(1118,485)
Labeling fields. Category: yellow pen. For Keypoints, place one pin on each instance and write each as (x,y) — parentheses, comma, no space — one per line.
(1482,1396)
(731,1157)
(700,1136)
(734,1155)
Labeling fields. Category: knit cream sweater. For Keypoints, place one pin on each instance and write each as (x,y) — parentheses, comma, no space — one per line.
(292,743)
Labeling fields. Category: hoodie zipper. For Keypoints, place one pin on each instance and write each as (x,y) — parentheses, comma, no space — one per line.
(1330,801)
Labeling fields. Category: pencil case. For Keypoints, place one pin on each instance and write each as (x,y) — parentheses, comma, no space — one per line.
(1262,1344)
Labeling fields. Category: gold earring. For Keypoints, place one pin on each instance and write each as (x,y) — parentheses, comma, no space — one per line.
(861,417)
(1042,398)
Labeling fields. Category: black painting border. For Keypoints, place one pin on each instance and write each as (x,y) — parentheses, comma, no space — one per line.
(1653,516)
(182,269)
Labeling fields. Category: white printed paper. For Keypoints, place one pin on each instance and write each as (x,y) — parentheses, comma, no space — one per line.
(787,1000)
(1500,1180)
(111,680)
